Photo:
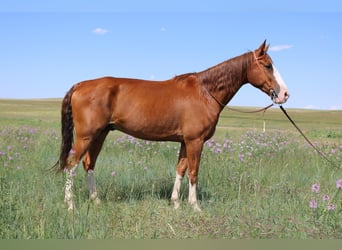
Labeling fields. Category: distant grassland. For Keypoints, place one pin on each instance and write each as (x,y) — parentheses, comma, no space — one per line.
(252,184)
(318,123)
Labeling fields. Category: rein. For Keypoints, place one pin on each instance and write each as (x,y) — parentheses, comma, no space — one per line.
(308,141)
(298,129)
(251,111)
(238,110)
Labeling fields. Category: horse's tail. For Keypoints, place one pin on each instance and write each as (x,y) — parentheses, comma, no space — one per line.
(67,131)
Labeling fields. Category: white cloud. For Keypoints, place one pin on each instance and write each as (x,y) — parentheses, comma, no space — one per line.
(163,29)
(280,47)
(336,107)
(100,31)
(310,107)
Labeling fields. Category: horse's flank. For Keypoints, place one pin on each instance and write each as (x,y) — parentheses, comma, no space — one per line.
(145,109)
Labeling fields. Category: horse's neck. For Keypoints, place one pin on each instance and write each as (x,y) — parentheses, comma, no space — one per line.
(225,79)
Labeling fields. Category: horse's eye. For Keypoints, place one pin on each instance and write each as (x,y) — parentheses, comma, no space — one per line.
(268,66)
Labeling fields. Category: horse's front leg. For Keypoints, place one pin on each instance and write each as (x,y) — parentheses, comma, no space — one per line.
(194,151)
(181,168)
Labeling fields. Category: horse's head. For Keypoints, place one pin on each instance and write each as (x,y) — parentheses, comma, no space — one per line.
(263,75)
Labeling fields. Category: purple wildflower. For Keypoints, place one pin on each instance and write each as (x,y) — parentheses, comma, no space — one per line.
(315,188)
(113,173)
(218,150)
(325,197)
(331,206)
(339,184)
(313,204)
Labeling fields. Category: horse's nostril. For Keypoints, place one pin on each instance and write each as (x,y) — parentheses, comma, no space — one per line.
(286,94)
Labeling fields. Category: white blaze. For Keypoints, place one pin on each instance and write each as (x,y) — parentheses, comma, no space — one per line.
(282,92)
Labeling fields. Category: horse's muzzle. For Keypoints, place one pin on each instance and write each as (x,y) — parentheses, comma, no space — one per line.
(279,99)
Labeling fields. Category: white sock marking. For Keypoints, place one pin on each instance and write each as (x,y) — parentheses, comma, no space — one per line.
(68,187)
(193,197)
(176,190)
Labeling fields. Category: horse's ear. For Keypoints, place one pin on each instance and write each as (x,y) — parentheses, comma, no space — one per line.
(262,49)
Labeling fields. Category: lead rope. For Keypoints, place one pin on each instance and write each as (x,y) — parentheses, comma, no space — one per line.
(308,141)
(251,111)
(333,164)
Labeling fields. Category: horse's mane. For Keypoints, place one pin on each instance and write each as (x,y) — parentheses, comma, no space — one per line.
(184,76)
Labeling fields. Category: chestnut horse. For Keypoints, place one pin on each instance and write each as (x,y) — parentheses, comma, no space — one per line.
(183,109)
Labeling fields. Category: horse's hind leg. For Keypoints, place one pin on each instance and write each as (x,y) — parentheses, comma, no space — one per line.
(80,147)
(89,164)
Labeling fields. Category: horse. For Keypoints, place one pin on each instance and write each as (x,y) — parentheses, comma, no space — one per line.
(183,109)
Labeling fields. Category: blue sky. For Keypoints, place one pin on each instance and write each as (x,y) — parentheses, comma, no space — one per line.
(46,46)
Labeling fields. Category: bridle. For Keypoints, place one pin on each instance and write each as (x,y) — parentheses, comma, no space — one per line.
(273,94)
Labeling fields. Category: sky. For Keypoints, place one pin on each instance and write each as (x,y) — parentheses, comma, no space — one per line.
(47,46)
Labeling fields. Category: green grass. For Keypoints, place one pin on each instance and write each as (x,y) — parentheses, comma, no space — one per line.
(252,185)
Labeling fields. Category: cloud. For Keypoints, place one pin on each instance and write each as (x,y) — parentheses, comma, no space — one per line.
(100,31)
(335,107)
(163,29)
(280,47)
(310,107)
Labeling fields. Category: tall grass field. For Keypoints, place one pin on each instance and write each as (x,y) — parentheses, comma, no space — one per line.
(258,179)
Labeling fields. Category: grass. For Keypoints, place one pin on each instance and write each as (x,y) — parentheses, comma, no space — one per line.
(252,185)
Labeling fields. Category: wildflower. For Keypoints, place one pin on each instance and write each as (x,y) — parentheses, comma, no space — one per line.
(325,197)
(218,150)
(72,152)
(339,184)
(315,188)
(113,173)
(313,204)
(9,148)
(331,207)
